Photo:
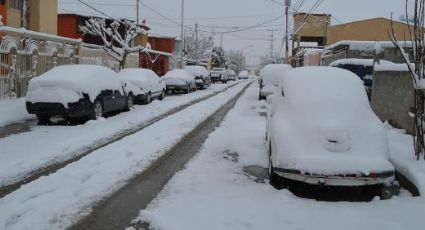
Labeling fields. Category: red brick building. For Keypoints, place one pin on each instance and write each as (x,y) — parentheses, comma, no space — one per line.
(158,58)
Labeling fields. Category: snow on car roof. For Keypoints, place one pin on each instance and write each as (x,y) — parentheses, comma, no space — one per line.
(271,73)
(178,73)
(89,79)
(323,85)
(135,74)
(196,70)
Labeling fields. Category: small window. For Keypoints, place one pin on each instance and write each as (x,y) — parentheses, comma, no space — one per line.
(16,4)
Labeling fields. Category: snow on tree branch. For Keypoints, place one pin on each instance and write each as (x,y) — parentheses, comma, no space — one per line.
(116,44)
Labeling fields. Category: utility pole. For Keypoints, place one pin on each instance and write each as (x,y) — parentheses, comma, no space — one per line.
(287,5)
(237,61)
(221,40)
(271,44)
(182,35)
(212,34)
(196,44)
(137,10)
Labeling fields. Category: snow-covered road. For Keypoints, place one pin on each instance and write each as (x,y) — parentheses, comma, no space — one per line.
(60,199)
(213,192)
(42,146)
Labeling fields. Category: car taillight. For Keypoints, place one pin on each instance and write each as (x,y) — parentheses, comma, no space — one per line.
(373,175)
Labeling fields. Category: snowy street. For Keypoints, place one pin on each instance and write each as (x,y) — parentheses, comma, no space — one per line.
(102,172)
(56,144)
(217,188)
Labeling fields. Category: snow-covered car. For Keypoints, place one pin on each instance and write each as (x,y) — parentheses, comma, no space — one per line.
(231,75)
(363,68)
(321,130)
(219,74)
(146,84)
(179,80)
(243,74)
(269,79)
(75,91)
(202,77)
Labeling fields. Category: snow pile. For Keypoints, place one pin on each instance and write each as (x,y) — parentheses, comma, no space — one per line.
(69,193)
(13,111)
(318,109)
(213,192)
(403,157)
(363,62)
(67,83)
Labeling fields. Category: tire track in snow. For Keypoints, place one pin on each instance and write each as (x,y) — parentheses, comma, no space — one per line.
(45,171)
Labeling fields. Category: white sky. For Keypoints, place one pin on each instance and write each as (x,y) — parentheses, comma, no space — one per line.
(225,14)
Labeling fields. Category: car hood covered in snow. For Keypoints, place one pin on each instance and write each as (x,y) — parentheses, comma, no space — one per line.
(325,124)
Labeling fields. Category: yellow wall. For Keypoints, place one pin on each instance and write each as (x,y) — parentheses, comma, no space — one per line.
(315,25)
(14,18)
(44,16)
(375,29)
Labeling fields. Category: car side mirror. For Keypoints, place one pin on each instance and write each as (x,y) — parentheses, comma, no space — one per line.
(269,99)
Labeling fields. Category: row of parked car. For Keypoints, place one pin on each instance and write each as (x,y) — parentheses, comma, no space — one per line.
(75,91)
(321,130)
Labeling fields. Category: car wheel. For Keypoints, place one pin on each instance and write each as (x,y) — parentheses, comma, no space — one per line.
(275,180)
(148,98)
(97,109)
(43,119)
(162,95)
(130,102)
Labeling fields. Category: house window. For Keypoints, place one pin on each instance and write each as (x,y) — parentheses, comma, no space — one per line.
(16,4)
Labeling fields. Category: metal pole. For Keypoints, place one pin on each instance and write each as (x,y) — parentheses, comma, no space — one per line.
(221,41)
(196,43)
(271,44)
(287,4)
(137,10)
(237,61)
(182,35)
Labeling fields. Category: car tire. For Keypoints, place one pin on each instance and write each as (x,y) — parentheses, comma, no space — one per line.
(162,95)
(275,180)
(148,98)
(43,119)
(130,102)
(97,109)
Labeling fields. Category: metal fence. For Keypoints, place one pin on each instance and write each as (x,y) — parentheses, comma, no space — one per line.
(25,54)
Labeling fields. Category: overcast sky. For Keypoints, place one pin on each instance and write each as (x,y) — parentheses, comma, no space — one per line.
(163,16)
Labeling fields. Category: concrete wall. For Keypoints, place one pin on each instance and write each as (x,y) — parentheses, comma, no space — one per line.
(44,16)
(375,29)
(392,98)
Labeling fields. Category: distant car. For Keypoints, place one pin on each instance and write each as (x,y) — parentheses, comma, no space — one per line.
(219,75)
(202,77)
(269,79)
(75,91)
(148,85)
(231,75)
(243,74)
(179,80)
(363,68)
(322,131)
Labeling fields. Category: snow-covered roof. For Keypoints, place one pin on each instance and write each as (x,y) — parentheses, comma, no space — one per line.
(356,61)
(367,45)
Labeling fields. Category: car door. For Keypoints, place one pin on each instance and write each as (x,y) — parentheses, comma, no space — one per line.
(107,97)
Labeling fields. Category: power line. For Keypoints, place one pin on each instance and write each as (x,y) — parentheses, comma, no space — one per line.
(93,8)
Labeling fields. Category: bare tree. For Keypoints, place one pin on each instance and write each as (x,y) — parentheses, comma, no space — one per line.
(416,69)
(116,44)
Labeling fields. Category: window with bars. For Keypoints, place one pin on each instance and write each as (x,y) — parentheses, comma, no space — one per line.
(16,4)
